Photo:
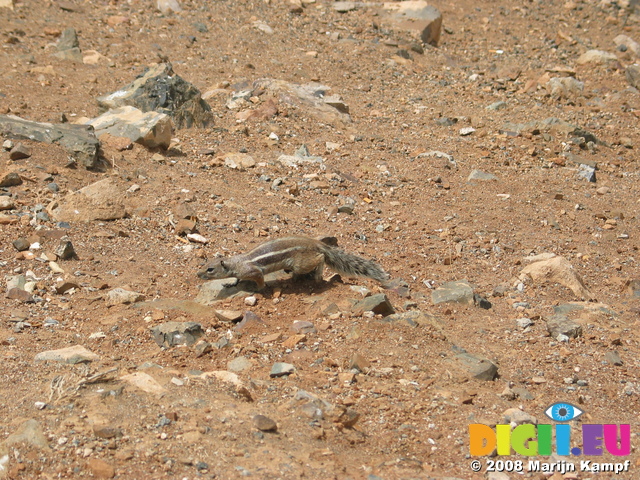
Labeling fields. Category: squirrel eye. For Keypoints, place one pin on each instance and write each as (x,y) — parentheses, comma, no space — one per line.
(210,269)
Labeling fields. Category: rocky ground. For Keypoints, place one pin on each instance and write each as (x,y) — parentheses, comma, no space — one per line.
(494,176)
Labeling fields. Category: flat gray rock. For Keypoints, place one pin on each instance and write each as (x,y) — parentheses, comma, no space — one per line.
(78,140)
(71,355)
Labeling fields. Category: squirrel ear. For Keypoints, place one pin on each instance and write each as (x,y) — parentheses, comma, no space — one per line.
(223,265)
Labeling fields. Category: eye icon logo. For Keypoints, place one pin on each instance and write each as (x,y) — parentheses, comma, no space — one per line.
(563,412)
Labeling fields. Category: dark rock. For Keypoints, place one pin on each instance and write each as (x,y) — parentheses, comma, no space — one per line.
(19,152)
(170,334)
(559,326)
(20,295)
(481,302)
(378,304)
(11,179)
(159,89)
(265,424)
(65,250)
(21,244)
(78,140)
(478,367)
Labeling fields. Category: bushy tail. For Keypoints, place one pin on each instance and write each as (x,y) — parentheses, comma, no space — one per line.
(352,265)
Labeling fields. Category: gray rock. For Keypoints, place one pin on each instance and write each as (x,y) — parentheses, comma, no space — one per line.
(170,334)
(71,355)
(378,304)
(161,90)
(68,39)
(151,129)
(524,322)
(65,250)
(21,244)
(215,290)
(587,172)
(481,302)
(78,140)
(120,296)
(280,369)
(453,292)
(300,157)
(561,325)
(478,367)
(499,105)
(481,176)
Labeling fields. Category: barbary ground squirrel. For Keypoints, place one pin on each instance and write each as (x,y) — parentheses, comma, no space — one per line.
(298,255)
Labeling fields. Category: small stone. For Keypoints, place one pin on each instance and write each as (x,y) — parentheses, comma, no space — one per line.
(265,424)
(11,179)
(280,369)
(478,367)
(274,337)
(228,315)
(250,301)
(560,325)
(378,304)
(481,176)
(65,250)
(453,292)
(64,286)
(303,326)
(21,244)
(524,322)
(202,348)
(71,355)
(587,172)
(6,203)
(19,152)
(106,431)
(170,334)
(466,131)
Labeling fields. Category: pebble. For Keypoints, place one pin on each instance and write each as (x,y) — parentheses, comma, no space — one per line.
(265,424)
(6,203)
(466,131)
(19,152)
(524,322)
(250,301)
(281,369)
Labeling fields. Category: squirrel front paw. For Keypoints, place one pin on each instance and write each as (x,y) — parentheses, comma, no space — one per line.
(231,283)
